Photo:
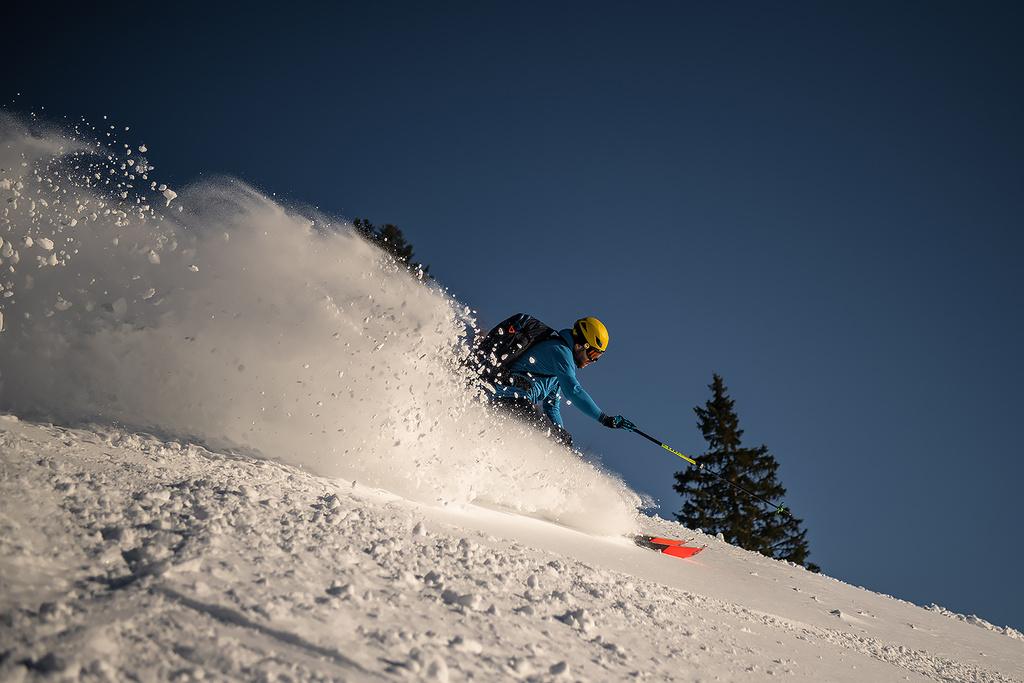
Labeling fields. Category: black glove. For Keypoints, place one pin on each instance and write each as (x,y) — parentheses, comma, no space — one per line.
(560,435)
(617,422)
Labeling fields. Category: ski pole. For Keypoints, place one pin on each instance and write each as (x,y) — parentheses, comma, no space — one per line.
(781,509)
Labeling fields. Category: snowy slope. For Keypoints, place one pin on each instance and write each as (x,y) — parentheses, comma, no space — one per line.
(303,484)
(125,555)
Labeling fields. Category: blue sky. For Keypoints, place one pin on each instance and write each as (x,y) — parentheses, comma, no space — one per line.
(820,203)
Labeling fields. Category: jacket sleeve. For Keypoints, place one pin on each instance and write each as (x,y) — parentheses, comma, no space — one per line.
(552,409)
(571,389)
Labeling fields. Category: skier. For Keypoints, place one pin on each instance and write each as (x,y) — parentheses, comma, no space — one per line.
(545,373)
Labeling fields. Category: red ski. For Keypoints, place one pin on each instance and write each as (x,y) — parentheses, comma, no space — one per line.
(666,546)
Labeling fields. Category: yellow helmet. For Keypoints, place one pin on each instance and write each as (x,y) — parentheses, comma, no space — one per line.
(591,332)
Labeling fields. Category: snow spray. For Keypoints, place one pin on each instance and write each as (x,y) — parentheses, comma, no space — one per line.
(213,313)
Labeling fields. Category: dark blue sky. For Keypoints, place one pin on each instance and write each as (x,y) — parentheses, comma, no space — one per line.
(821,203)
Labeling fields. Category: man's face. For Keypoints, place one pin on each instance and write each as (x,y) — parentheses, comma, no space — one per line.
(584,356)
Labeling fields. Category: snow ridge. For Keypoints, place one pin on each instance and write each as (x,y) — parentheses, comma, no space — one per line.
(974,619)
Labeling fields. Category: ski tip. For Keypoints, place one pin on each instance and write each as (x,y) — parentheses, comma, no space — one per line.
(666,546)
(681,551)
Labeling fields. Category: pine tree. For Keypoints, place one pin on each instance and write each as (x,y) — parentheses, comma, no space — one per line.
(389,238)
(712,505)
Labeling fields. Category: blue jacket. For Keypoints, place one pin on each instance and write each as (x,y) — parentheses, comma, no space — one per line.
(549,371)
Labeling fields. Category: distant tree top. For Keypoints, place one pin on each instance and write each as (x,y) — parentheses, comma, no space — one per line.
(389,237)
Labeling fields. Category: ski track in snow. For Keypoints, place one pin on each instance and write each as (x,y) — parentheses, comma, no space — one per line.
(127,555)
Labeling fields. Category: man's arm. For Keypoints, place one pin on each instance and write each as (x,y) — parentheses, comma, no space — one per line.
(571,389)
(552,409)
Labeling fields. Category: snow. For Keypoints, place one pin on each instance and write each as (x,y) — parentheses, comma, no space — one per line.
(275,469)
(124,554)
